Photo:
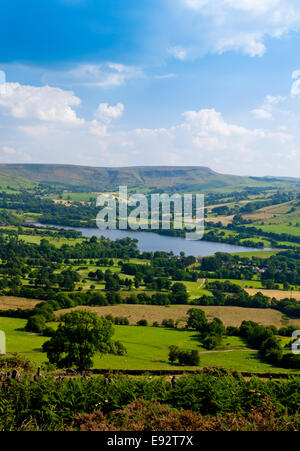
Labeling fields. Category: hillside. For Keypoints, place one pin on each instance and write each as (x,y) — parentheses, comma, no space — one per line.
(148,177)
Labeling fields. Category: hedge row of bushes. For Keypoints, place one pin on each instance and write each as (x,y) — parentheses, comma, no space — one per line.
(51,404)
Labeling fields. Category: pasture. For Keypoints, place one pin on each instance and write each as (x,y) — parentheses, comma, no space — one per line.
(277,294)
(12,302)
(147,349)
(231,316)
(258,254)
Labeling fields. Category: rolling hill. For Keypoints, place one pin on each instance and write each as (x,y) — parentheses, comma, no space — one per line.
(169,178)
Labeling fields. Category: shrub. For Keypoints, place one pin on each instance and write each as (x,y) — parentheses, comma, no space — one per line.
(36,323)
(121,321)
(173,353)
(211,341)
(290,361)
(168,323)
(271,350)
(15,362)
(45,309)
(142,415)
(232,331)
(189,358)
(48,332)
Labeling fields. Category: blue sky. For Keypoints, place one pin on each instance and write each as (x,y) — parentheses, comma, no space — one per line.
(155,82)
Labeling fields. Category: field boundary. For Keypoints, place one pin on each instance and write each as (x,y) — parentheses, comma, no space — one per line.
(98,371)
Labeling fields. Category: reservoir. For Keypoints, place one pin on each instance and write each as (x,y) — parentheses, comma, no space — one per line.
(151,242)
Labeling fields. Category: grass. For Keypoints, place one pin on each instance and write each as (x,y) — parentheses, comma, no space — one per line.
(231,316)
(277,294)
(57,241)
(240,283)
(12,302)
(194,291)
(281,228)
(147,349)
(258,254)
(7,182)
(234,316)
(19,341)
(281,220)
(77,197)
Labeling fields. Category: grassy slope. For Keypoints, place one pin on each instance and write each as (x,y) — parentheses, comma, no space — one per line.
(13,302)
(258,254)
(231,316)
(13,182)
(140,177)
(147,348)
(277,294)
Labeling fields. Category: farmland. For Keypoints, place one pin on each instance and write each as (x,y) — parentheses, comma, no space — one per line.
(277,294)
(147,349)
(53,272)
(230,316)
(13,302)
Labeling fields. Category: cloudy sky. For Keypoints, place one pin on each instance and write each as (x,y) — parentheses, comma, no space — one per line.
(154,82)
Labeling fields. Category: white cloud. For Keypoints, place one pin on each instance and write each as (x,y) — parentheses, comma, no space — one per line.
(253,6)
(179,53)
(9,154)
(9,150)
(260,113)
(165,76)
(239,25)
(202,138)
(107,113)
(206,122)
(98,129)
(249,43)
(36,130)
(267,108)
(40,103)
(106,75)
(295,89)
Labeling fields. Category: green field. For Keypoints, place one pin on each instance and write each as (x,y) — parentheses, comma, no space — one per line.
(194,290)
(240,283)
(56,241)
(281,228)
(258,254)
(7,182)
(147,348)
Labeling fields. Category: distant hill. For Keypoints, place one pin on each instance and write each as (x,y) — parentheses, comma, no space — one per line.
(144,177)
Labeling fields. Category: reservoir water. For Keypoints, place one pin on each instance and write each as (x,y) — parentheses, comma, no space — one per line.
(151,242)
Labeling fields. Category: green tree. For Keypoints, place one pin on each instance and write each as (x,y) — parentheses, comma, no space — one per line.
(197,320)
(36,323)
(78,339)
(211,341)
(216,327)
(271,350)
(173,353)
(112,284)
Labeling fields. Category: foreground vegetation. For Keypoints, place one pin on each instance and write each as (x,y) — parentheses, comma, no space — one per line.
(212,400)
